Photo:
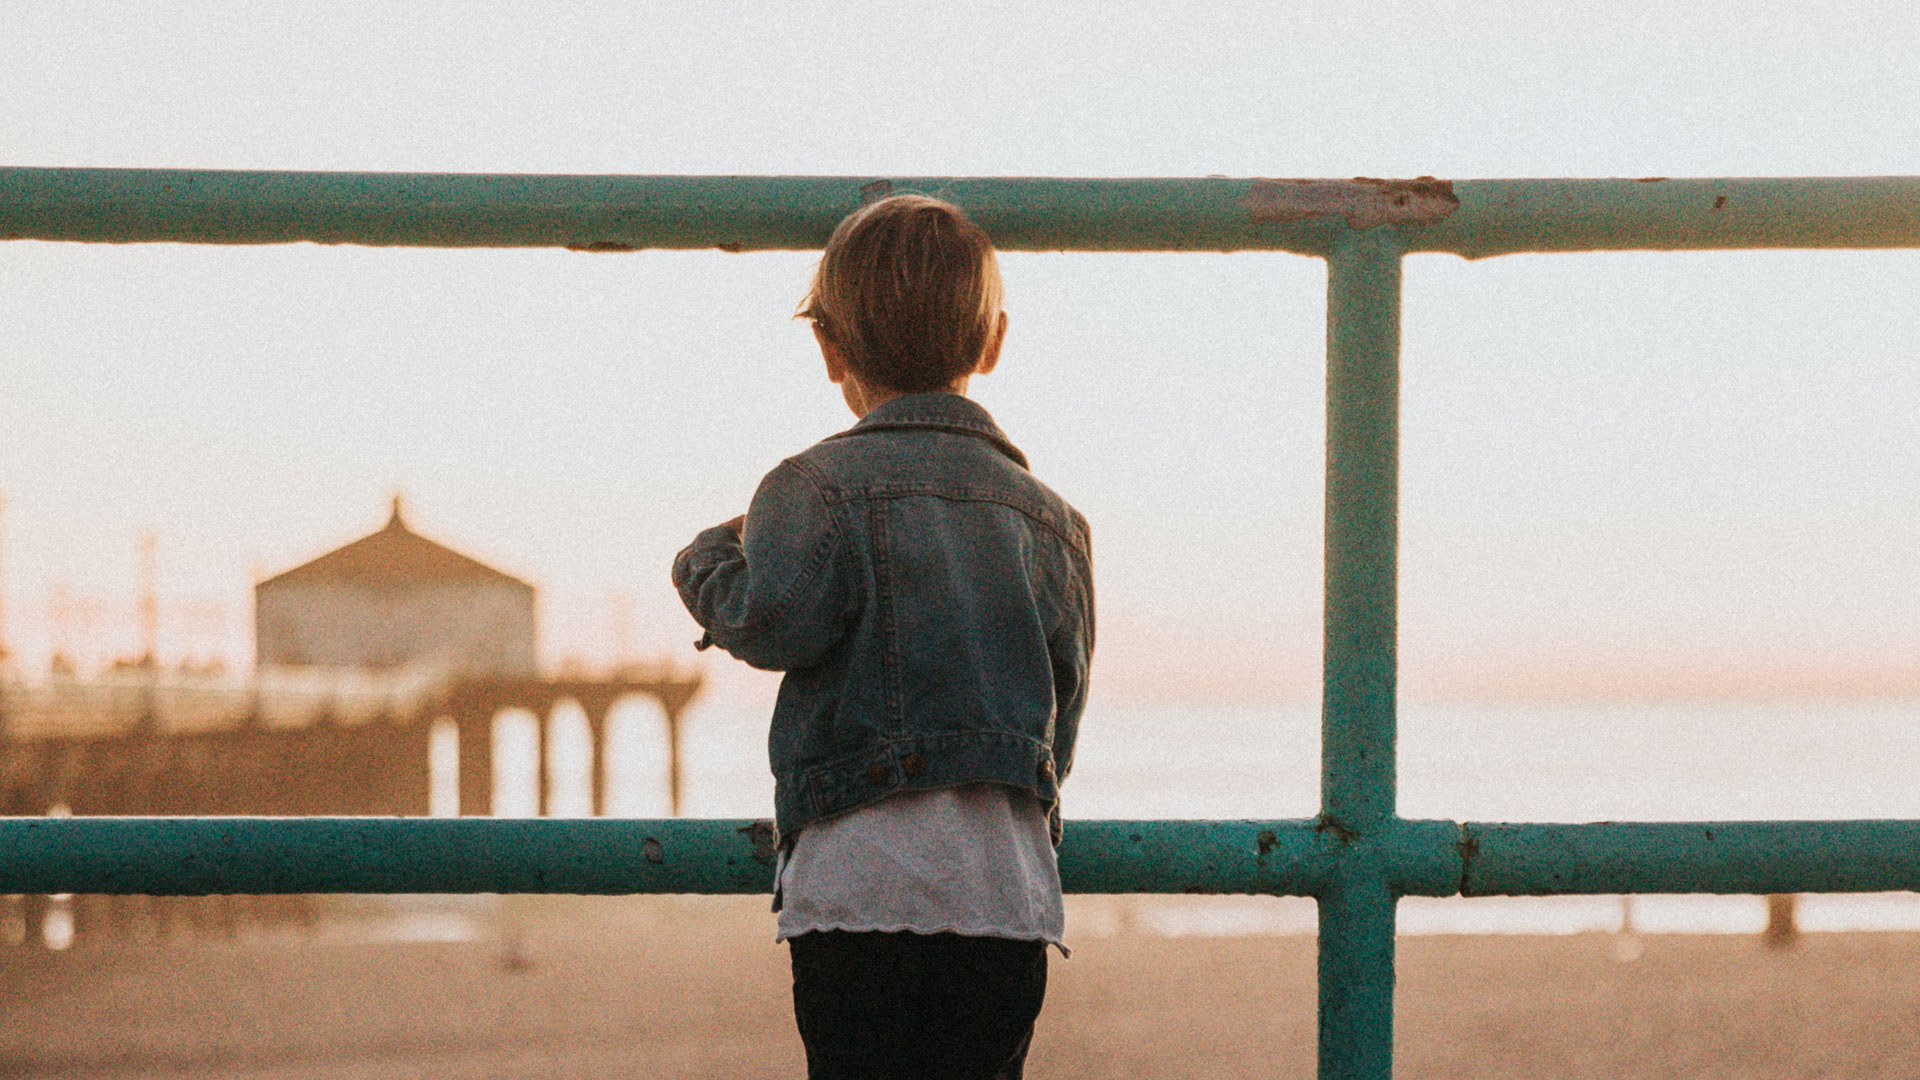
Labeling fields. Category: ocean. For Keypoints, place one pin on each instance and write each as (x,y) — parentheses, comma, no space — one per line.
(1661,761)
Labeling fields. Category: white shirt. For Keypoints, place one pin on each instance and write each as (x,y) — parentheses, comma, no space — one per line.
(974,860)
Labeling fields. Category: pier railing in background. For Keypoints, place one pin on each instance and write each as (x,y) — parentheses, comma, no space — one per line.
(1357,858)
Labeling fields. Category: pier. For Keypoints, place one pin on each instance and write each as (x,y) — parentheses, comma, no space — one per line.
(143,743)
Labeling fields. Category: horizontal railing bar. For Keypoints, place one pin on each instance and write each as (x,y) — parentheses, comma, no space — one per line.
(201,855)
(1691,857)
(1505,217)
(193,856)
(1274,858)
(613,213)
(742,213)
(1292,857)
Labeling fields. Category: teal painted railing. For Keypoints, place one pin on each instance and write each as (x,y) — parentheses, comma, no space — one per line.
(1357,858)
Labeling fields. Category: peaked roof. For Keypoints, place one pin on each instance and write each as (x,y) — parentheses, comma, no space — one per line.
(396,557)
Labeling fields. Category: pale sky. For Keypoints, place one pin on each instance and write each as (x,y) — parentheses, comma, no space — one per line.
(1624,474)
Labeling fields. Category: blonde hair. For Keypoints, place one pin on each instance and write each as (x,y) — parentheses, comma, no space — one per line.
(908,289)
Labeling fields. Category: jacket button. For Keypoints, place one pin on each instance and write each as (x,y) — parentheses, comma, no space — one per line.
(913,764)
(877,774)
(1046,770)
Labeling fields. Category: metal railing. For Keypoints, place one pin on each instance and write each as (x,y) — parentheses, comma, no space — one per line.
(1357,858)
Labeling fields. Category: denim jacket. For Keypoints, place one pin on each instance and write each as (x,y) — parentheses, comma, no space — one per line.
(930,602)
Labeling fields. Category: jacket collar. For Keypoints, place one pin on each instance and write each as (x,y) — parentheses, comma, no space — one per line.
(940,411)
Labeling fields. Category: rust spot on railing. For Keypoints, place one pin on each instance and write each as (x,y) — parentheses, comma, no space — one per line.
(603,245)
(651,850)
(1364,201)
(1326,824)
(760,834)
(1652,179)
(1469,848)
(1266,842)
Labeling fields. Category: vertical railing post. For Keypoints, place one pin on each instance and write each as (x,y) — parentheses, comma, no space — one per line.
(1357,776)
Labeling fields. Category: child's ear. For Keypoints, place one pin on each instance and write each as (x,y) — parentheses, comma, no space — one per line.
(836,363)
(990,356)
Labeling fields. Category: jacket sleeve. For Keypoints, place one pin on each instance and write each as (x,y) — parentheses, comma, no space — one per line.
(776,596)
(1070,648)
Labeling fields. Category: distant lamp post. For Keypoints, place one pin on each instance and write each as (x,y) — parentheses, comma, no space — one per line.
(1783,927)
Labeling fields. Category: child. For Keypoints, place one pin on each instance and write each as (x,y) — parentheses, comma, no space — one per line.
(932,605)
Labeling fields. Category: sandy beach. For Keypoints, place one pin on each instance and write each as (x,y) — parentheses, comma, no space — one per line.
(693,987)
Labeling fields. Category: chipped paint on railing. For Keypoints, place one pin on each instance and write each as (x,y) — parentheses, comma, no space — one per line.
(1363,201)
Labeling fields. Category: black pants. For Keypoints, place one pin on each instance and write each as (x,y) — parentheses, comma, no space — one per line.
(905,1006)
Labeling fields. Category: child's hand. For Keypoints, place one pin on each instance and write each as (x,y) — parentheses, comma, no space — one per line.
(736,524)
